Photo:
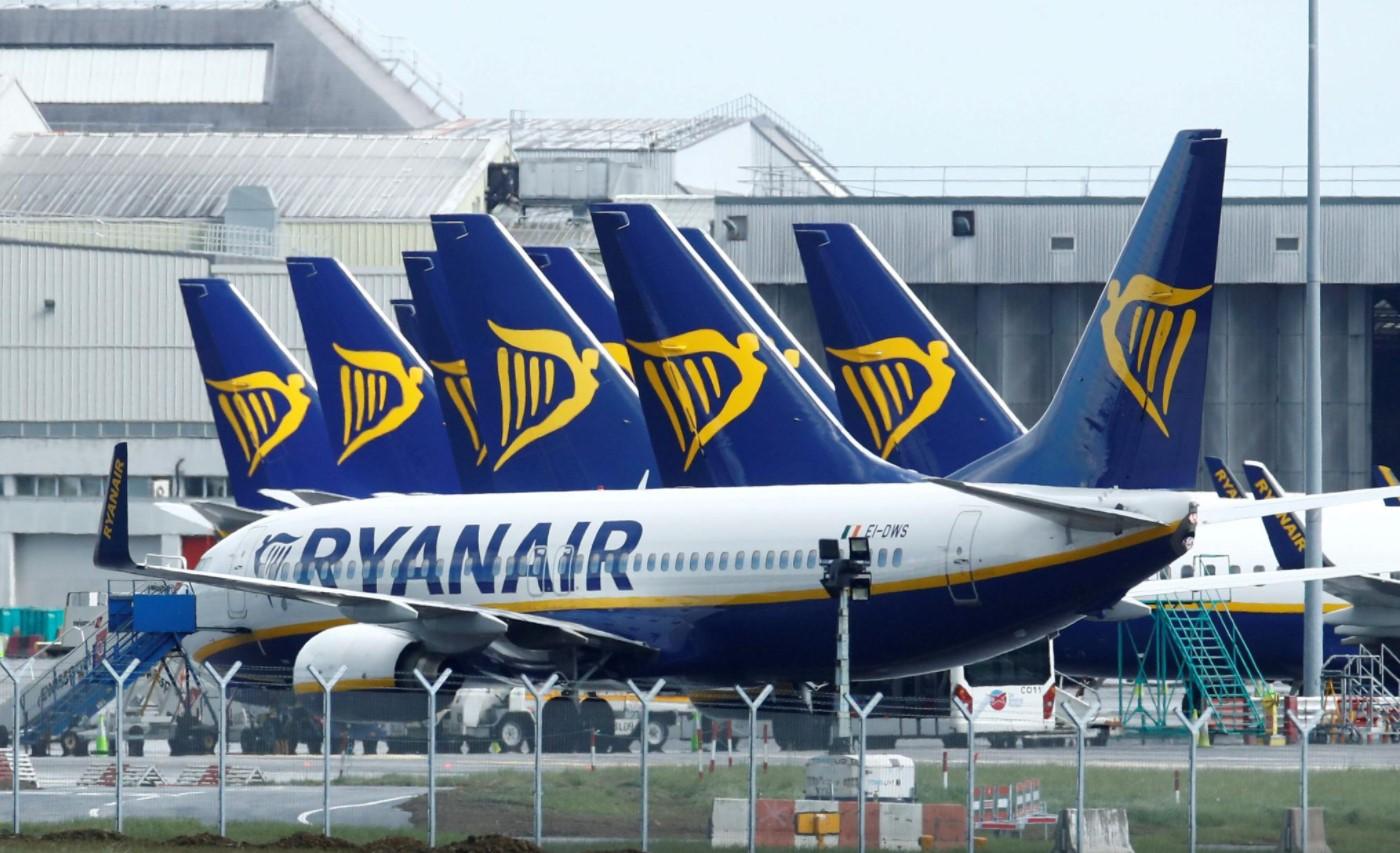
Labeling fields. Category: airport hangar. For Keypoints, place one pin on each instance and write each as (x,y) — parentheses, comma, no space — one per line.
(110,194)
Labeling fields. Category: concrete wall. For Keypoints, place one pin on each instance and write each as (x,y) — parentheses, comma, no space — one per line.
(319,80)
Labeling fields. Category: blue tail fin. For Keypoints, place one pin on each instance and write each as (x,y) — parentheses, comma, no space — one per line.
(723,406)
(1382,477)
(559,411)
(266,409)
(1223,479)
(1128,411)
(113,549)
(1287,536)
(906,391)
(406,317)
(381,410)
(454,386)
(582,291)
(762,315)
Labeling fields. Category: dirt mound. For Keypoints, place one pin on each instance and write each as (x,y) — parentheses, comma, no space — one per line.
(309,841)
(83,835)
(394,844)
(203,839)
(491,844)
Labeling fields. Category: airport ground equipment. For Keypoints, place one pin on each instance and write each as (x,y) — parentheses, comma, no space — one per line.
(144,622)
(1194,643)
(1364,687)
(504,716)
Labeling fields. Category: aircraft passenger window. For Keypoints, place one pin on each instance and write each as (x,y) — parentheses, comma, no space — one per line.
(680,562)
(881,557)
(651,562)
(636,563)
(350,569)
(1234,569)
(665,562)
(754,561)
(897,557)
(709,561)
(1258,568)
(395,568)
(768,561)
(812,559)
(723,560)
(782,559)
(1188,571)
(738,561)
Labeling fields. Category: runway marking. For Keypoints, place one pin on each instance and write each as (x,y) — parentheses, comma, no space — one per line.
(304,817)
(139,798)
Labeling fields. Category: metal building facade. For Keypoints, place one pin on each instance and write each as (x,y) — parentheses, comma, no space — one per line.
(1018,308)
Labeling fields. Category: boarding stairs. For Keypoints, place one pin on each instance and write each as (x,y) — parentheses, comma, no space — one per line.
(1214,661)
(1365,687)
(144,623)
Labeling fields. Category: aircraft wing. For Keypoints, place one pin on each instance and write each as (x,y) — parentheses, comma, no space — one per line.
(1229,510)
(1151,589)
(437,617)
(526,629)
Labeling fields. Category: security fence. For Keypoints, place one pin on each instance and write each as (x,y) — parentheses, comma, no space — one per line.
(232,750)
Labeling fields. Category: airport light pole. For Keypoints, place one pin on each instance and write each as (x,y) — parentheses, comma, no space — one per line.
(1312,416)
(844,579)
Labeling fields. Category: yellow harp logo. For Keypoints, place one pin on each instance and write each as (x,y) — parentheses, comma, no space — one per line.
(897,386)
(262,409)
(377,395)
(703,381)
(534,367)
(459,389)
(1160,323)
(618,351)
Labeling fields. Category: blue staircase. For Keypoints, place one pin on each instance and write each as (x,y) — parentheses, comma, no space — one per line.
(142,625)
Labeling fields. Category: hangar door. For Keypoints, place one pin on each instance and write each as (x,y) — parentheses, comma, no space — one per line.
(48,566)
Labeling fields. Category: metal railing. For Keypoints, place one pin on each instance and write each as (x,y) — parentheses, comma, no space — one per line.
(156,235)
(1075,180)
(399,60)
(741,108)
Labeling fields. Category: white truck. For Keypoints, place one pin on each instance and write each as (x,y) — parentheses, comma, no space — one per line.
(501,718)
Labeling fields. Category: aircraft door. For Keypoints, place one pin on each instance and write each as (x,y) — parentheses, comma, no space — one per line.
(237,598)
(961,585)
(564,566)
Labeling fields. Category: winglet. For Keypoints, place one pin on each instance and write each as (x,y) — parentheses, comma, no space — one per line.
(1226,485)
(113,550)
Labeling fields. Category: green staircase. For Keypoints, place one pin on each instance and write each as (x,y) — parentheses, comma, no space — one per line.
(1215,661)
(1191,644)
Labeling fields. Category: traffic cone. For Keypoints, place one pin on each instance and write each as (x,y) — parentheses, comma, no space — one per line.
(1204,738)
(101,746)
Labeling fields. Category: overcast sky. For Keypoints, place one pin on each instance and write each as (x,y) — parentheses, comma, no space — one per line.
(971,82)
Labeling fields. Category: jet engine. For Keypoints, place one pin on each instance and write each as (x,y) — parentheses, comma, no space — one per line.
(378,683)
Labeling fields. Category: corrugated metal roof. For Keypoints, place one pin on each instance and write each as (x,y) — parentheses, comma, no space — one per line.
(189,175)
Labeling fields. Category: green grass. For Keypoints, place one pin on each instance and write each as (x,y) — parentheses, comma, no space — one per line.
(1237,807)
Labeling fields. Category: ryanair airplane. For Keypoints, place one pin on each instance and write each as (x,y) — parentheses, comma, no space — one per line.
(555,409)
(266,408)
(377,386)
(905,389)
(764,319)
(590,299)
